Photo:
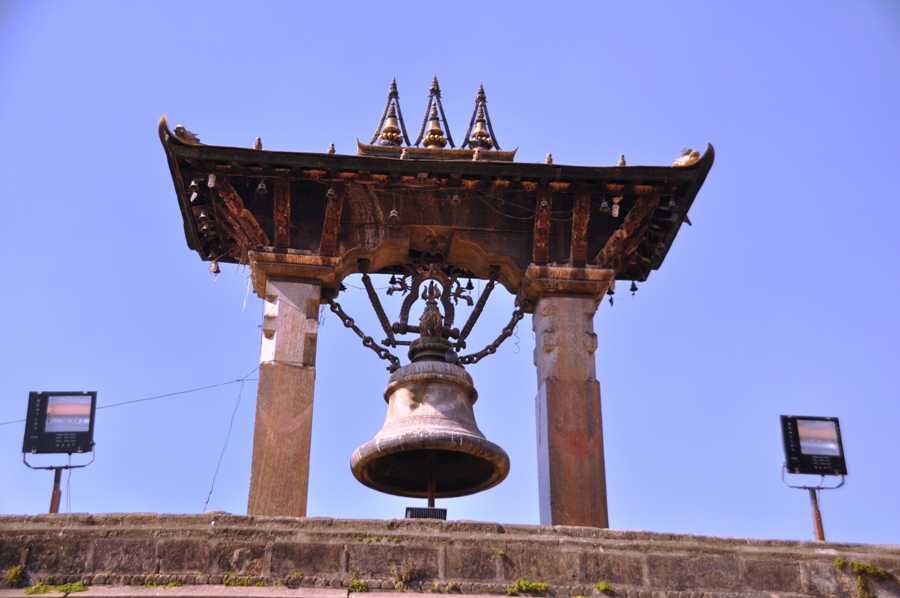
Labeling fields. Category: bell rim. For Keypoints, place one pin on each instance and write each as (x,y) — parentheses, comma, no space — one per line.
(476,446)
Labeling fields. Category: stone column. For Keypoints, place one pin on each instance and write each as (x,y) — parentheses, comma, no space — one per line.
(571,471)
(279,475)
(291,286)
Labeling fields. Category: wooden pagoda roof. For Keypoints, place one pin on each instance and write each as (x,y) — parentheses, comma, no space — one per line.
(469,214)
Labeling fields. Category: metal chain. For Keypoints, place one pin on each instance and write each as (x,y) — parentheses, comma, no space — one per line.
(367,341)
(507,332)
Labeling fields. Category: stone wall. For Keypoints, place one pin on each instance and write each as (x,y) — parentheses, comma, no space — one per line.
(426,556)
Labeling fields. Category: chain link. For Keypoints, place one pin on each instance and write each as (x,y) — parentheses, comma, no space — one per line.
(507,332)
(367,341)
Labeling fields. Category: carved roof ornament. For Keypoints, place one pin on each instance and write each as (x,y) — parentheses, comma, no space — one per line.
(434,136)
(434,101)
(391,129)
(483,135)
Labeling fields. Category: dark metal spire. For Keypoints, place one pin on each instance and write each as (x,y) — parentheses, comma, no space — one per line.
(393,101)
(480,118)
(434,97)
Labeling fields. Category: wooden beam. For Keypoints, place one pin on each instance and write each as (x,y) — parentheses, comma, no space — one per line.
(247,230)
(333,209)
(581,215)
(282,213)
(627,237)
(541,252)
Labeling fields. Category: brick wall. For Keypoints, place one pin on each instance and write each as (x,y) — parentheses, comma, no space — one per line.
(454,557)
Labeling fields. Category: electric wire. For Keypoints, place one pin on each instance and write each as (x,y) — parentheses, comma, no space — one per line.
(227,438)
(163,396)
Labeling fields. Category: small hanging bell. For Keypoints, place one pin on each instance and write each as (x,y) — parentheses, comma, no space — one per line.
(469,285)
(394,217)
(393,280)
(261,188)
(633,289)
(214,267)
(604,206)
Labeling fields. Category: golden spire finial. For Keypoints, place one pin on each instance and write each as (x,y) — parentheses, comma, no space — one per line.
(434,114)
(435,135)
(483,133)
(391,130)
(480,136)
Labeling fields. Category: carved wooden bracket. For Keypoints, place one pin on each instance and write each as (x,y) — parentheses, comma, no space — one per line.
(628,236)
(333,209)
(246,229)
(581,215)
(282,213)
(541,253)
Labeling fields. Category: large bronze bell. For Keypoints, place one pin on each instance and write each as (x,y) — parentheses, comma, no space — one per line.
(430,445)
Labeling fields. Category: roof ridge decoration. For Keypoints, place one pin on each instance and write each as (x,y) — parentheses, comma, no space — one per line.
(434,134)
(391,136)
(480,137)
(434,98)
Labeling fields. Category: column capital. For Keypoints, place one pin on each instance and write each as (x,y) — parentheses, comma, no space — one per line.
(324,271)
(564,280)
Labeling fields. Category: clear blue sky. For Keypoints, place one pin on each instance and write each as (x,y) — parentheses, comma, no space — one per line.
(781,299)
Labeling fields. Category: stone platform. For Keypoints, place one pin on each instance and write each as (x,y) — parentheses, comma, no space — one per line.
(274,557)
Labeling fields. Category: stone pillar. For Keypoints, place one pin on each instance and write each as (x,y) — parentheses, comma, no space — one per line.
(279,474)
(291,283)
(571,471)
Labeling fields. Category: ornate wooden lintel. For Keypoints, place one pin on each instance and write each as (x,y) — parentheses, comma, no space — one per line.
(333,209)
(581,214)
(628,236)
(282,213)
(244,226)
(544,205)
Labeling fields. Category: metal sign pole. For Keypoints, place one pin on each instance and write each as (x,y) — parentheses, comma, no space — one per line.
(57,493)
(816,515)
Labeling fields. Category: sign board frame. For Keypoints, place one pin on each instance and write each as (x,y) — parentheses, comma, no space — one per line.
(55,422)
(813,445)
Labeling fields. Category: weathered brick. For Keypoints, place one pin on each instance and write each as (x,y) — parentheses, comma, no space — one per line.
(179,556)
(10,553)
(614,568)
(469,562)
(301,557)
(688,573)
(819,578)
(547,565)
(123,555)
(375,560)
(65,555)
(245,558)
(773,575)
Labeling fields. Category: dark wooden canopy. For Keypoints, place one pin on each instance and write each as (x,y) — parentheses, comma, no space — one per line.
(469,214)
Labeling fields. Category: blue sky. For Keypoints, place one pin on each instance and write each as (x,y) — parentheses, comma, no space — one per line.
(780,299)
